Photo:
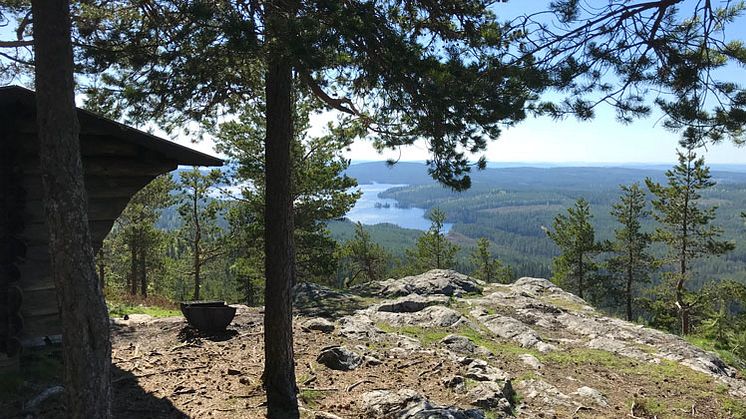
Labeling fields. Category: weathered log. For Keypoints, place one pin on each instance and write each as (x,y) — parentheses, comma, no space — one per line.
(99,209)
(90,146)
(42,325)
(112,166)
(37,234)
(96,186)
(39,302)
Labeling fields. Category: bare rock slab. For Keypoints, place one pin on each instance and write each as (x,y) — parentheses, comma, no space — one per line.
(408,404)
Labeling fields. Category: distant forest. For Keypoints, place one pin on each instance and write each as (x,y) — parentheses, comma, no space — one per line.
(509,206)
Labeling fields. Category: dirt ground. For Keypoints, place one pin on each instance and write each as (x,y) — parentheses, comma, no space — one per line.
(162,369)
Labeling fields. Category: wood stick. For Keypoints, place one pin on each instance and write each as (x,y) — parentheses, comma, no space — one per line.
(352,386)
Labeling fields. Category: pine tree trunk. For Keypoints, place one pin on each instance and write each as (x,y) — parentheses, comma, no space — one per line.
(133,268)
(197,249)
(102,270)
(85,323)
(279,368)
(682,306)
(580,276)
(629,293)
(197,274)
(143,273)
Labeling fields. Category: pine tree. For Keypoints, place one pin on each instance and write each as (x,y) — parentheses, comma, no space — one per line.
(397,72)
(487,268)
(630,263)
(321,191)
(364,258)
(85,323)
(685,228)
(575,236)
(433,250)
(199,213)
(136,225)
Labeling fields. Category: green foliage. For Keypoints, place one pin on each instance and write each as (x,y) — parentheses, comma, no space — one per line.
(615,53)
(363,259)
(320,191)
(487,268)
(200,234)
(685,228)
(135,249)
(630,264)
(433,250)
(724,318)
(575,236)
(404,71)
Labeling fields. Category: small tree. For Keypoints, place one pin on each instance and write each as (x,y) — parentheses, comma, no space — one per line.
(321,191)
(576,238)
(685,228)
(630,262)
(433,250)
(364,258)
(199,214)
(487,268)
(136,224)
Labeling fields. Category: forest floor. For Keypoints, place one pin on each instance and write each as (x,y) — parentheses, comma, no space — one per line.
(164,369)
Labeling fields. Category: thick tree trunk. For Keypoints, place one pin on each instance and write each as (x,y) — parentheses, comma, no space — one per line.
(279,368)
(85,323)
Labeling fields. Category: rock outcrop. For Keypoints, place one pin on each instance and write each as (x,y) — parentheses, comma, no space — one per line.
(549,324)
(438,345)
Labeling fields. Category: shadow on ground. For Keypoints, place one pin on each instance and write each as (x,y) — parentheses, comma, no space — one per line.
(131,401)
(41,373)
(312,300)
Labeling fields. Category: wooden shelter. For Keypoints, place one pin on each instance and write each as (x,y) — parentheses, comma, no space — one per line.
(118,161)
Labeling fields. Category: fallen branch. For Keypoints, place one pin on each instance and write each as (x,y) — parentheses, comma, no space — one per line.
(150,374)
(411,364)
(432,370)
(581,407)
(182,345)
(361,382)
(310,380)
(34,403)
(319,389)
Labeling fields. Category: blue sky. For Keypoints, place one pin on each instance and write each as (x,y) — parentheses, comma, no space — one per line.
(601,140)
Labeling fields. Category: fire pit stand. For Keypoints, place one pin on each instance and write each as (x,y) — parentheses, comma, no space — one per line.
(208,316)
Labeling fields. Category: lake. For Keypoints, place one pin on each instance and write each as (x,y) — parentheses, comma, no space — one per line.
(371,209)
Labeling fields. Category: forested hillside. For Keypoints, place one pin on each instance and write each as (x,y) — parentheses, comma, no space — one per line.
(509,206)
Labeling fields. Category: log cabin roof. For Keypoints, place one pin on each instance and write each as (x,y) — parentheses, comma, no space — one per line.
(26,99)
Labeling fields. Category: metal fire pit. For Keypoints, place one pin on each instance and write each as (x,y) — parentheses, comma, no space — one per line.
(208,316)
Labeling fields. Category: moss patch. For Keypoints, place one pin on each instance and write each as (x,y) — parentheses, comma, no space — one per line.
(119,310)
(565,304)
(727,356)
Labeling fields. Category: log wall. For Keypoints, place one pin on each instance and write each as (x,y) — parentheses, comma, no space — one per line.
(114,172)
(12,247)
